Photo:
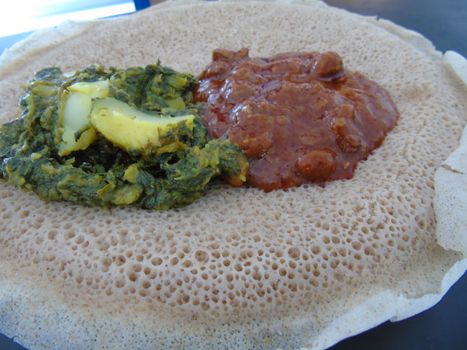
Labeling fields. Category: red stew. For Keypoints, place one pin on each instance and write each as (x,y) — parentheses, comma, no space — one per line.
(299,117)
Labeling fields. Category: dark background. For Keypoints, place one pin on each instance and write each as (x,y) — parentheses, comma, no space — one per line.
(445,325)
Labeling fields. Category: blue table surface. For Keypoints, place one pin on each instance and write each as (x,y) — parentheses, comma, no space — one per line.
(445,325)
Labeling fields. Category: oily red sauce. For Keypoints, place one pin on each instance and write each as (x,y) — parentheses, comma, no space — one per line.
(299,117)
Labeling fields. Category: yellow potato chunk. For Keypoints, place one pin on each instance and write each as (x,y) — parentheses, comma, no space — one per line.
(77,99)
(137,131)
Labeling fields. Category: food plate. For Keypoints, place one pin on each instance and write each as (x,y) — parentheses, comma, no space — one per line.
(416,271)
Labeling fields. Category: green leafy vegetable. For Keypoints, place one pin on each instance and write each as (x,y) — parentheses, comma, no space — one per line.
(45,151)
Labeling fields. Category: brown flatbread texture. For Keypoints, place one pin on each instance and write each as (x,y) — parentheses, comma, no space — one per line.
(240,268)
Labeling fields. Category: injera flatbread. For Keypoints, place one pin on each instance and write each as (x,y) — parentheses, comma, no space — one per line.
(243,269)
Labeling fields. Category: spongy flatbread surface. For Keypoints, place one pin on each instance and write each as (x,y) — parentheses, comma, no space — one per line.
(239,268)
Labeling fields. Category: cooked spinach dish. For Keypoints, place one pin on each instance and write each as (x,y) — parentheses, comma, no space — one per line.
(115,137)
